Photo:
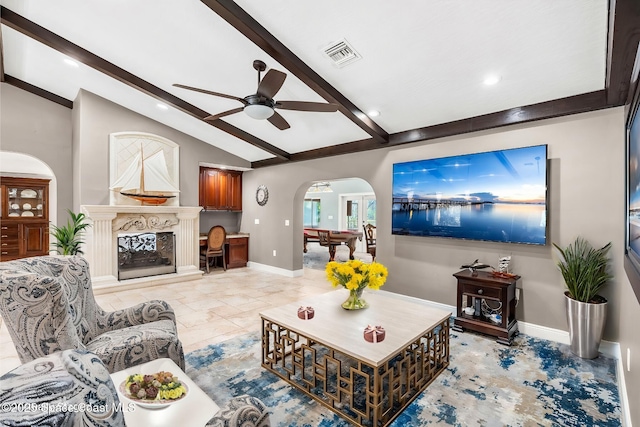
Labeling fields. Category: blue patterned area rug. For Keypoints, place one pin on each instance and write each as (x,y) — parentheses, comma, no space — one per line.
(533,382)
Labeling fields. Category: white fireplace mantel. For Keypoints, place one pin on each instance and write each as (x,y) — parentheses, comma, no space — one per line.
(107,221)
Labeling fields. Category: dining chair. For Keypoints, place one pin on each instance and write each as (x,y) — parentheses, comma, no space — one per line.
(370,239)
(215,246)
(324,238)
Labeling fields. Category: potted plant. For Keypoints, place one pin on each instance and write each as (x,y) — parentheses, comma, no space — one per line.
(67,237)
(585,272)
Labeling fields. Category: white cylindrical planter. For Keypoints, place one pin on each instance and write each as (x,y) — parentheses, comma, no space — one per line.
(586,324)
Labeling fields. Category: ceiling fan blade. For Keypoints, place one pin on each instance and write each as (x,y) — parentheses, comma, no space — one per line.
(271,83)
(278,121)
(224,113)
(208,92)
(307,106)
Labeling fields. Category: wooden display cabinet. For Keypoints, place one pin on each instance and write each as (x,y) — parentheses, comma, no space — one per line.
(220,189)
(484,291)
(24,214)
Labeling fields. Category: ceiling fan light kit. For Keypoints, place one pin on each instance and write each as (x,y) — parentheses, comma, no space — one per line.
(261,105)
(259,111)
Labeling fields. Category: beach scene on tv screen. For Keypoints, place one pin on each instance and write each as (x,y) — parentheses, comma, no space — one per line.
(495,196)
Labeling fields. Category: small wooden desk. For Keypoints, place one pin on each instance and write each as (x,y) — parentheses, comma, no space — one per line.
(236,249)
(347,237)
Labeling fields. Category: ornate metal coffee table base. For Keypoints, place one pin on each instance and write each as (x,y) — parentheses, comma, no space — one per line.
(364,394)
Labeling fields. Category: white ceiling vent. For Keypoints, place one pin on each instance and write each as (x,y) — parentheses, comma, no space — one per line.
(341,53)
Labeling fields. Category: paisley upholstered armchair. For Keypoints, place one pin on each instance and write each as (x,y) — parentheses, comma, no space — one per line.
(48,305)
(66,388)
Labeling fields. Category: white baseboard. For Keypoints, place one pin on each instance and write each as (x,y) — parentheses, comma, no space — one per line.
(274,270)
(624,399)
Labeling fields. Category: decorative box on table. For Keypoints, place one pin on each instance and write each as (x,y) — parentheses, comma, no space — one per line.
(306,313)
(374,334)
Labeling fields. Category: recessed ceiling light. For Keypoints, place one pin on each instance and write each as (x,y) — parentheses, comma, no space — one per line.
(491,80)
(373,113)
(162,106)
(71,62)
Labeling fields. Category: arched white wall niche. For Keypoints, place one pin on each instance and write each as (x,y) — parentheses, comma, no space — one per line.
(131,153)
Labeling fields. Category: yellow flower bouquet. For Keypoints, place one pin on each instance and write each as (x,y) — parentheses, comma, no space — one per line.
(355,276)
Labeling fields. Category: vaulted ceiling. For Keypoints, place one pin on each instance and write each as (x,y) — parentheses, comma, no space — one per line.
(421,64)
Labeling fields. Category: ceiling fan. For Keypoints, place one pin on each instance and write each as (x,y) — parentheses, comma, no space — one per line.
(261,105)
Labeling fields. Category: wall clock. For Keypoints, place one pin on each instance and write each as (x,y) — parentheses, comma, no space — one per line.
(262,195)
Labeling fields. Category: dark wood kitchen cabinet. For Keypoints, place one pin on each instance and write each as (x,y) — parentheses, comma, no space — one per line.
(220,189)
(24,225)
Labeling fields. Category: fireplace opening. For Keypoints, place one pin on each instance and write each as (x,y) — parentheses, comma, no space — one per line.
(146,254)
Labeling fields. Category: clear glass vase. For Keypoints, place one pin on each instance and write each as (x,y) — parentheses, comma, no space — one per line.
(355,301)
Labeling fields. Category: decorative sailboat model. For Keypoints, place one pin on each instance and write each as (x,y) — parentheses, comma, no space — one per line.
(147,180)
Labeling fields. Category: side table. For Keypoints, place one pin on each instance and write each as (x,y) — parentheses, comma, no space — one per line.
(485,292)
(196,408)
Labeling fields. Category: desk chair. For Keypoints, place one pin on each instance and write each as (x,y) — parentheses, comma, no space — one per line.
(215,246)
(324,238)
(370,239)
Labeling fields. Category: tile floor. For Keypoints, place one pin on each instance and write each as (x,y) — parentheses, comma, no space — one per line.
(217,307)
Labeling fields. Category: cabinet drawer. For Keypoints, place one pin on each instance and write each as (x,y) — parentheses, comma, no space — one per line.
(9,253)
(485,291)
(9,236)
(235,241)
(9,231)
(9,244)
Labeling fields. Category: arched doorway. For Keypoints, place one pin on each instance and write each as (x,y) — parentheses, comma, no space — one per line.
(343,205)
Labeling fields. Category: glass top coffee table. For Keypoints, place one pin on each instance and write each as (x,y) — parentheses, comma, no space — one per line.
(196,407)
(328,358)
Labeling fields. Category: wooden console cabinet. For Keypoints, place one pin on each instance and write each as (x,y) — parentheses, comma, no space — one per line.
(24,215)
(486,290)
(220,189)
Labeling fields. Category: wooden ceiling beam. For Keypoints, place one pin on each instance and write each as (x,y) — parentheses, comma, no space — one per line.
(251,29)
(54,41)
(624,36)
(544,110)
(37,91)
(623,39)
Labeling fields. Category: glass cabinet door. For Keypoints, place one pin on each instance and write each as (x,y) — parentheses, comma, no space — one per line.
(25,202)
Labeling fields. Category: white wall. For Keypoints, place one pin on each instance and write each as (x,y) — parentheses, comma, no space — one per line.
(95,118)
(586,190)
(587,193)
(33,126)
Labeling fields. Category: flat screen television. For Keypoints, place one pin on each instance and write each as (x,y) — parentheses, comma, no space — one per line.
(633,188)
(498,196)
